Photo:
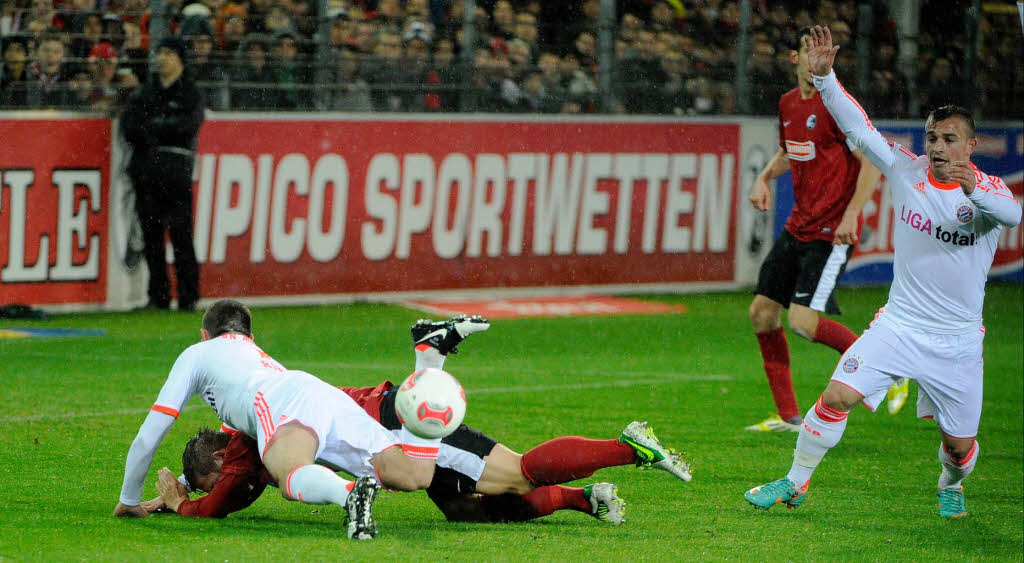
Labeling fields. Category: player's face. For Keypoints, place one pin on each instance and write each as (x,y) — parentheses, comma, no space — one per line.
(945,142)
(799,58)
(206,482)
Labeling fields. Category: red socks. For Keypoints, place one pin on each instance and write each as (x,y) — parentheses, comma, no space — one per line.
(546,500)
(834,335)
(775,351)
(572,457)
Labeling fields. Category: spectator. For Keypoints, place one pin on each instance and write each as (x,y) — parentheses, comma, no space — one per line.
(555,95)
(161,123)
(14,75)
(135,57)
(504,20)
(80,88)
(449,74)
(663,17)
(206,70)
(289,73)
(768,82)
(520,58)
(727,101)
(641,77)
(703,94)
(887,97)
(257,14)
(351,93)
(110,83)
(417,73)
(385,71)
(390,13)
(49,73)
(233,31)
(675,97)
(90,33)
(580,87)
(255,74)
(278,20)
(943,87)
(585,48)
(366,36)
(526,29)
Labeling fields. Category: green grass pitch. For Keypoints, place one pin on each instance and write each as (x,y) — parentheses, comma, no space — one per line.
(71,406)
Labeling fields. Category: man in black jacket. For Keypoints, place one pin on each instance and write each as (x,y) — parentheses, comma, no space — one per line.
(161,122)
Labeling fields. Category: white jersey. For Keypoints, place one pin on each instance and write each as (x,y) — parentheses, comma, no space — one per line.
(226,372)
(944,240)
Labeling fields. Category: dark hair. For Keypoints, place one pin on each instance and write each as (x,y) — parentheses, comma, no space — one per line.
(197,459)
(227,315)
(793,42)
(947,111)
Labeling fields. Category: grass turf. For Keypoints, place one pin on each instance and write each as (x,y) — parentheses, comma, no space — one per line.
(73,405)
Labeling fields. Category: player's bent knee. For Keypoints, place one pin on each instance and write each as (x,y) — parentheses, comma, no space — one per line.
(840,397)
(765,315)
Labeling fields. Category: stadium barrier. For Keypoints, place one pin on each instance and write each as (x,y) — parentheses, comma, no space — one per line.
(338,207)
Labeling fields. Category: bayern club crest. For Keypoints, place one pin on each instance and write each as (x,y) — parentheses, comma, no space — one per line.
(851,364)
(964,213)
(812,120)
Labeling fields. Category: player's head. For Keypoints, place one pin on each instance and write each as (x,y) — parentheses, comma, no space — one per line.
(948,137)
(202,458)
(798,55)
(227,315)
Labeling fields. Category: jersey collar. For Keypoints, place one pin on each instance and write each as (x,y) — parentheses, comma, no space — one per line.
(941,185)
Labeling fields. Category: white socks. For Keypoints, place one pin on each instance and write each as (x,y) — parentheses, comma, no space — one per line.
(417,447)
(428,358)
(821,430)
(955,470)
(315,484)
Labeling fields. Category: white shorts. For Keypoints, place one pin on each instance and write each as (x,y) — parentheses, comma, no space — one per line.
(348,437)
(946,367)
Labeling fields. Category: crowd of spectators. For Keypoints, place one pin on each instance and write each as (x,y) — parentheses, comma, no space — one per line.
(671,56)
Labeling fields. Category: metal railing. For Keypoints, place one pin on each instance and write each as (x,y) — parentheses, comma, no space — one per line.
(737,62)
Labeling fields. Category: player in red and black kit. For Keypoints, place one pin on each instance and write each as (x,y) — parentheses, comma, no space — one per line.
(476,479)
(831,183)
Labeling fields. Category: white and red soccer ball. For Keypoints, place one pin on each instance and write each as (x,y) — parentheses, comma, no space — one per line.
(430,403)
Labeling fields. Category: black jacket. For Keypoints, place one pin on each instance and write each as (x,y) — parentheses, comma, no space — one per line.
(156,117)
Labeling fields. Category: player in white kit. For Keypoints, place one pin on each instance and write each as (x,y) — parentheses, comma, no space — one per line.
(948,218)
(303,426)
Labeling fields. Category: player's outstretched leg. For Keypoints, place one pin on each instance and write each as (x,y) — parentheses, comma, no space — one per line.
(445,336)
(650,452)
(359,509)
(605,503)
(897,394)
(782,491)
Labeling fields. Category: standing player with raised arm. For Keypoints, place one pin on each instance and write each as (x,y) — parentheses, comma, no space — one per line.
(300,424)
(949,217)
(831,182)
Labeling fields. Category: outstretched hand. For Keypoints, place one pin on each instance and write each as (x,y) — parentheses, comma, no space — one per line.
(820,52)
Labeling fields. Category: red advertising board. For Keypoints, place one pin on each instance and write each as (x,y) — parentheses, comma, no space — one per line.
(53,210)
(326,207)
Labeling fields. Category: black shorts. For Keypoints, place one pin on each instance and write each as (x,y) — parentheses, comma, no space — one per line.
(470,447)
(804,273)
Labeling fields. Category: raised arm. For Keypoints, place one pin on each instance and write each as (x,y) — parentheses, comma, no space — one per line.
(850,117)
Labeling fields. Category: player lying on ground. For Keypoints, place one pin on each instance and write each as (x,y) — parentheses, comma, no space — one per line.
(301,426)
(950,217)
(476,479)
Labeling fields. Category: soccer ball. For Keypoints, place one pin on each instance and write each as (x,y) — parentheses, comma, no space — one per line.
(430,403)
